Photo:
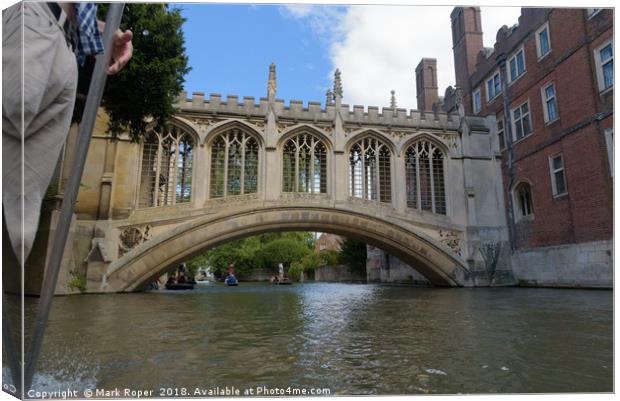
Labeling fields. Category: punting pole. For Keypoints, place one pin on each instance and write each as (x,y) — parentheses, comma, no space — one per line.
(95,92)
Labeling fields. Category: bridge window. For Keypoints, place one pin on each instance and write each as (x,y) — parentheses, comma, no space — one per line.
(304,165)
(234,164)
(369,173)
(166,171)
(424,174)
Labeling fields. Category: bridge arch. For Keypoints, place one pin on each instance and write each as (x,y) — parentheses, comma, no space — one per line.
(222,126)
(364,133)
(187,126)
(140,266)
(298,129)
(424,136)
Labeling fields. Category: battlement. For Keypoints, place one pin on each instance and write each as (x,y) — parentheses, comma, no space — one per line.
(314,111)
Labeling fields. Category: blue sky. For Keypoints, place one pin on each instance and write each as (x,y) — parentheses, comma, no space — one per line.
(376,47)
(230,48)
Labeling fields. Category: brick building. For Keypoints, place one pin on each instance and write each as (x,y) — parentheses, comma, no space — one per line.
(328,241)
(549,82)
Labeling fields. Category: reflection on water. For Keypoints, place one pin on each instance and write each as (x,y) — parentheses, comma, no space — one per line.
(352,339)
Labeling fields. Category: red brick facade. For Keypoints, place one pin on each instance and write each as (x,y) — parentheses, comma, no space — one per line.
(562,78)
(426,83)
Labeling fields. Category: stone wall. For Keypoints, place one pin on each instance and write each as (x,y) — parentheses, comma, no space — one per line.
(588,265)
(339,273)
(382,267)
(259,275)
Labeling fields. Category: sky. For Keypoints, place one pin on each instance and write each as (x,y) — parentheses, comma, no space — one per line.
(375,47)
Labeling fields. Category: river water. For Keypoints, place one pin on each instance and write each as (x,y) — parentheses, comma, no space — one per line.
(348,338)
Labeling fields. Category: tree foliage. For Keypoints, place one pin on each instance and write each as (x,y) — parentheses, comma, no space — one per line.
(329,257)
(150,82)
(261,251)
(282,250)
(295,250)
(353,254)
(307,264)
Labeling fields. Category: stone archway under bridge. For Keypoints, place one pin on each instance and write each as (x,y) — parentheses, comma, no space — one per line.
(141,265)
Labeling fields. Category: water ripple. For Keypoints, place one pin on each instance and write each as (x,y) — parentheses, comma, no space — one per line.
(354,339)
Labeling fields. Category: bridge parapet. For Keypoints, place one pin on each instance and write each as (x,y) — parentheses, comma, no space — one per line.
(315,112)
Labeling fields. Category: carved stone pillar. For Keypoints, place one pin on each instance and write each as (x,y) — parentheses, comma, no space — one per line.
(399,184)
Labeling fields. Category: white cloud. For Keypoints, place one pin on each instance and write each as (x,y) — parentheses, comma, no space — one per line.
(378,47)
(299,10)
(493,18)
(323,19)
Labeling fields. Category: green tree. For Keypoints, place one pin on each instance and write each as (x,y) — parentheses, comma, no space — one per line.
(307,264)
(261,251)
(329,257)
(304,237)
(353,254)
(149,84)
(282,250)
(242,253)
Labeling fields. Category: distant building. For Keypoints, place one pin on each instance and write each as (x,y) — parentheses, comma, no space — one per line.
(549,82)
(330,242)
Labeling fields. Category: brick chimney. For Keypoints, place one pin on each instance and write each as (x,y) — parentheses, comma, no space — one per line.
(426,83)
(466,44)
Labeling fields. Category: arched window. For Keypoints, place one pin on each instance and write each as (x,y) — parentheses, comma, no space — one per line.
(523,200)
(304,165)
(234,164)
(424,175)
(369,173)
(166,170)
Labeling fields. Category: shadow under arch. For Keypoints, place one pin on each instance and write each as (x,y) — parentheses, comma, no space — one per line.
(140,266)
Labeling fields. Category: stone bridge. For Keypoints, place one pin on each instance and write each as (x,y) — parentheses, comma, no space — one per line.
(425,187)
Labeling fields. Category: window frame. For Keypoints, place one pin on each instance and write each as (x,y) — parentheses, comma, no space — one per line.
(539,53)
(501,133)
(384,189)
(514,55)
(553,171)
(492,80)
(514,124)
(600,77)
(436,184)
(156,139)
(473,100)
(545,102)
(229,136)
(517,203)
(315,146)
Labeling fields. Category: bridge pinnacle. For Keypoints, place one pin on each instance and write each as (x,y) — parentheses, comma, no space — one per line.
(271,83)
(337,84)
(393,99)
(329,97)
